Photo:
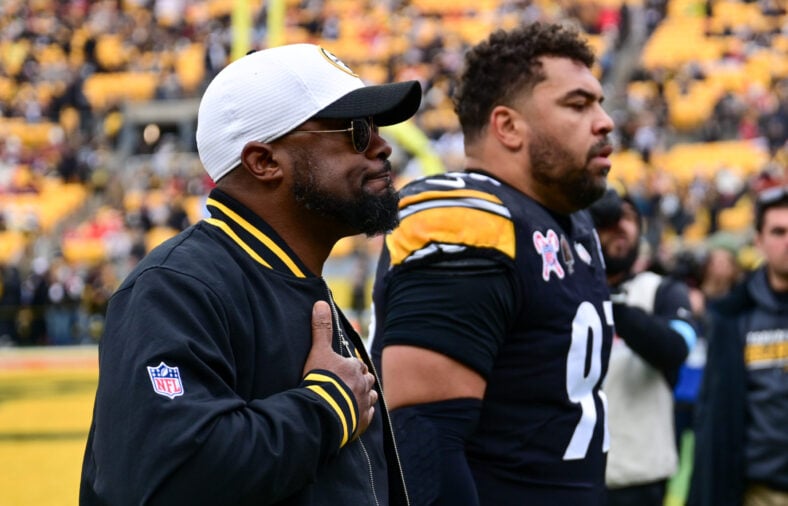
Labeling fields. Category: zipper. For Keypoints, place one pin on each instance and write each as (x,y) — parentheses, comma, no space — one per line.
(344,347)
(393,439)
(371,475)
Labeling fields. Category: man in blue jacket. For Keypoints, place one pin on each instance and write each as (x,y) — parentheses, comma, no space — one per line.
(211,390)
(741,438)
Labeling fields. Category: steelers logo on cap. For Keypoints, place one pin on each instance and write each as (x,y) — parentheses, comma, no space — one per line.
(335,61)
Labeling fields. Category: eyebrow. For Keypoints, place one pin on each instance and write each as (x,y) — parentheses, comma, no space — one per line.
(593,97)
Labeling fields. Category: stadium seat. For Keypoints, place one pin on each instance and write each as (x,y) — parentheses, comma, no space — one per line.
(687,161)
(158,235)
(32,135)
(12,246)
(190,66)
(736,15)
(83,250)
(103,90)
(737,219)
(627,167)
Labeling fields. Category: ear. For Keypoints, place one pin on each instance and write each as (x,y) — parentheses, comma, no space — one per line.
(258,160)
(508,126)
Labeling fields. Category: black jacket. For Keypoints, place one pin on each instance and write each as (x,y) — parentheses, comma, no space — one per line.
(201,398)
(720,466)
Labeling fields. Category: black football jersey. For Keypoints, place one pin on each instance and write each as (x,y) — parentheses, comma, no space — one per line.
(542,437)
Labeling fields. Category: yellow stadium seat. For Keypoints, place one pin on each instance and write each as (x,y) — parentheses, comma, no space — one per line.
(12,246)
(733,15)
(219,8)
(190,67)
(698,230)
(33,135)
(738,218)
(642,90)
(627,167)
(7,87)
(110,52)
(765,64)
(50,54)
(474,29)
(687,161)
(158,235)
(57,201)
(373,73)
(133,200)
(13,54)
(83,250)
(677,41)
(102,90)
(195,208)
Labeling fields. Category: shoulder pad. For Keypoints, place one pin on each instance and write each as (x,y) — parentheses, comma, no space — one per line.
(449,214)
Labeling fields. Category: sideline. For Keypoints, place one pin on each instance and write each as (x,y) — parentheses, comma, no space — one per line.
(48,357)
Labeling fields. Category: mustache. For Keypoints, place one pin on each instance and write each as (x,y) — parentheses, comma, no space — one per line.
(602,147)
(386,169)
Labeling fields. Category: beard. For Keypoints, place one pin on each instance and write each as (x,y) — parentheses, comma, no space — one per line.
(619,264)
(555,167)
(366,214)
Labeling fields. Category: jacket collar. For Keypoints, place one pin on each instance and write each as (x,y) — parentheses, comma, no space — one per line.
(253,235)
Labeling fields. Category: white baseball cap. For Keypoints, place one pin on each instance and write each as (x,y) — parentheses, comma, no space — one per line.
(266,94)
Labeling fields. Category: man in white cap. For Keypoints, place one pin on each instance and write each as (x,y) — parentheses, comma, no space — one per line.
(227,373)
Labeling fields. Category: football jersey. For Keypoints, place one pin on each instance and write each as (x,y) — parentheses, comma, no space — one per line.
(542,436)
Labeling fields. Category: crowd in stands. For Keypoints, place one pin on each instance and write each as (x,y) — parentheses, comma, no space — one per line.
(698,89)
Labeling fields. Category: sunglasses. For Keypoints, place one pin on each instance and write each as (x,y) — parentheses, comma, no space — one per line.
(360,132)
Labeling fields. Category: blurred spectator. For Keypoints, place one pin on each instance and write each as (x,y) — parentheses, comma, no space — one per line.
(35,296)
(655,329)
(63,298)
(100,283)
(741,454)
(74,97)
(10,301)
(774,125)
(169,86)
(720,272)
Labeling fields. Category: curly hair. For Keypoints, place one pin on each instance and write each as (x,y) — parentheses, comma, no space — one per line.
(507,63)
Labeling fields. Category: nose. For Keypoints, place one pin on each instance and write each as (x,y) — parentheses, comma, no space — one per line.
(603,124)
(378,146)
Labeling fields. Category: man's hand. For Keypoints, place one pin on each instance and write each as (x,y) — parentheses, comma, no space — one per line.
(350,370)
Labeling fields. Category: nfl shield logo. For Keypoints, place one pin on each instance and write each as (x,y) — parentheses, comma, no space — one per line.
(166,380)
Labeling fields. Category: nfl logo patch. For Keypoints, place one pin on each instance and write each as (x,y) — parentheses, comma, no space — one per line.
(166,380)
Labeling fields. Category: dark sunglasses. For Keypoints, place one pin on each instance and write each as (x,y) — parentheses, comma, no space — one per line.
(360,132)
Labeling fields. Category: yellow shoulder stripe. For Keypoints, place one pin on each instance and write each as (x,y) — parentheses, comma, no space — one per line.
(463,226)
